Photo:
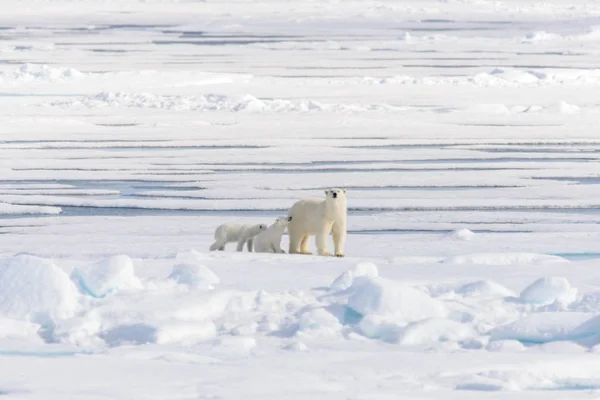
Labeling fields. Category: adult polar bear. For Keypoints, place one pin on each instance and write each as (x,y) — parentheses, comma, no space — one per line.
(319,217)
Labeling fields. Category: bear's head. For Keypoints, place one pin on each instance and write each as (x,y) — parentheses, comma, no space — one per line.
(335,193)
(283,220)
(258,228)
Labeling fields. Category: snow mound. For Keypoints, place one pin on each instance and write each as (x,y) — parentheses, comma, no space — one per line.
(588,333)
(213,102)
(589,302)
(384,328)
(484,288)
(435,330)
(107,276)
(504,259)
(376,295)
(515,75)
(563,108)
(13,328)
(461,234)
(194,275)
(35,289)
(345,280)
(318,322)
(547,290)
(541,327)
(39,73)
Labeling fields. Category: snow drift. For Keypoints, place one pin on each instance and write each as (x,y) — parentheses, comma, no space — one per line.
(35,289)
(214,102)
(108,276)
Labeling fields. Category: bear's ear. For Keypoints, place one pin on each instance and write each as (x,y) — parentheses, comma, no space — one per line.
(326,192)
(344,190)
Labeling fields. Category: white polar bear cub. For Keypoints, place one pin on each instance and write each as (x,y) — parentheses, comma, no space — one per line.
(232,233)
(269,240)
(319,217)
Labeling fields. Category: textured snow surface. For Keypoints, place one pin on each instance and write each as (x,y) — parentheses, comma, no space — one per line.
(35,289)
(465,133)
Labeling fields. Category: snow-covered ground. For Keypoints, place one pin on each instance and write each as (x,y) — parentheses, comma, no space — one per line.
(466,135)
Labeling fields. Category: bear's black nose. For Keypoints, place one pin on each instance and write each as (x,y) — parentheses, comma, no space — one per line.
(334,195)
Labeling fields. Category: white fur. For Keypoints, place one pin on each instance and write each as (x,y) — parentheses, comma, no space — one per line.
(236,233)
(269,240)
(319,217)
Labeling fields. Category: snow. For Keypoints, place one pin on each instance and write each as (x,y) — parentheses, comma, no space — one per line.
(35,289)
(212,102)
(14,209)
(504,259)
(484,288)
(381,296)
(547,290)
(511,346)
(465,133)
(346,280)
(15,328)
(532,376)
(461,234)
(194,275)
(435,330)
(107,276)
(31,72)
(541,327)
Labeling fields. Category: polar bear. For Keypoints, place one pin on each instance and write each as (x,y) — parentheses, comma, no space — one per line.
(319,217)
(269,240)
(240,233)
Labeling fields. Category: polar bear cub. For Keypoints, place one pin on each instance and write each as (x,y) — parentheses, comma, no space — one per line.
(269,240)
(319,217)
(232,233)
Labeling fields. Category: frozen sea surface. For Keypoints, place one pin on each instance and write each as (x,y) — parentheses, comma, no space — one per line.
(465,133)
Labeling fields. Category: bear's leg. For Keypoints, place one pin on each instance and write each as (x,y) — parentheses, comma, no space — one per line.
(295,239)
(241,242)
(339,239)
(277,248)
(304,245)
(250,243)
(219,244)
(321,239)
